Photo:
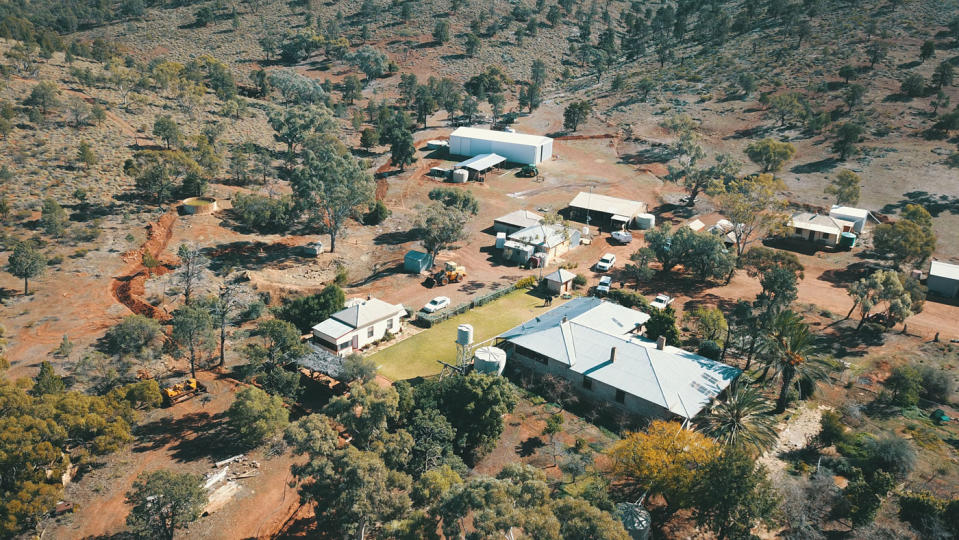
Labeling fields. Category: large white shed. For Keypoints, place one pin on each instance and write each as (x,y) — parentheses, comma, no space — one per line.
(943,279)
(515,147)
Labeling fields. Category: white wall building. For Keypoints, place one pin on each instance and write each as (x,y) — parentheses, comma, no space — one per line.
(943,279)
(857,216)
(359,324)
(515,147)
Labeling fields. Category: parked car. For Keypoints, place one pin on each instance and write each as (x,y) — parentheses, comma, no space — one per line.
(622,237)
(661,301)
(603,287)
(436,304)
(606,262)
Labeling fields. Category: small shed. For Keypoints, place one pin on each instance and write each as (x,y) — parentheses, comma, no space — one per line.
(560,281)
(943,279)
(857,216)
(478,166)
(415,262)
(605,211)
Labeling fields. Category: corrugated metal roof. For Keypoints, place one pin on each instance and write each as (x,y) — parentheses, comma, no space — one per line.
(844,211)
(606,204)
(818,223)
(333,328)
(364,312)
(499,136)
(549,236)
(944,270)
(561,275)
(481,162)
(677,380)
(520,218)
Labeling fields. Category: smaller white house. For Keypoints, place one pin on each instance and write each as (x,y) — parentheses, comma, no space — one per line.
(943,279)
(857,216)
(817,228)
(359,324)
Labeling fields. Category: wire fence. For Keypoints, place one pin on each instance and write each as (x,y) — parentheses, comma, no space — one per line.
(428,320)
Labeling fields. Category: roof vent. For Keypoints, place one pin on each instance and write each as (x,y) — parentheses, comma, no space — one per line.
(612,354)
(661,343)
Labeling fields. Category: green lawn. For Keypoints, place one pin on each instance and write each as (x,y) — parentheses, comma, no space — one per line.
(418,356)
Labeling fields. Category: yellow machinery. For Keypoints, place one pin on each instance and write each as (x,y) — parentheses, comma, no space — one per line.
(451,273)
(181,391)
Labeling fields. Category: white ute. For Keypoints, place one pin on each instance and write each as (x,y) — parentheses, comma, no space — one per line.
(661,301)
(436,304)
(606,262)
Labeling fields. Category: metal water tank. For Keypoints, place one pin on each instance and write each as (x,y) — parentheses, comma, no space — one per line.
(460,176)
(645,221)
(464,334)
(489,360)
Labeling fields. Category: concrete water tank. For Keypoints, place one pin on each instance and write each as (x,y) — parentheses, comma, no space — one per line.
(464,334)
(489,360)
(460,176)
(645,221)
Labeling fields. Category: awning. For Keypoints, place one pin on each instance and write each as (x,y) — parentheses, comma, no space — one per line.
(617,217)
(481,162)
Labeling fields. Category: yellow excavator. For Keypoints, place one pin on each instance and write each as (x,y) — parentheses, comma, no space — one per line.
(181,391)
(451,273)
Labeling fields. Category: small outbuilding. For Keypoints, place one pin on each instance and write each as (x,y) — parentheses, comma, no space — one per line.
(943,279)
(514,147)
(607,212)
(857,216)
(550,240)
(479,165)
(415,262)
(515,221)
(817,228)
(560,281)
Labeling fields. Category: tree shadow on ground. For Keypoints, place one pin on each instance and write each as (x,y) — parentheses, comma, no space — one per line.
(396,268)
(841,277)
(823,165)
(529,446)
(933,203)
(847,340)
(394,238)
(250,255)
(647,155)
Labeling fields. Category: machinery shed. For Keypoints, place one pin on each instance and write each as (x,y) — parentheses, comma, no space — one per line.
(514,147)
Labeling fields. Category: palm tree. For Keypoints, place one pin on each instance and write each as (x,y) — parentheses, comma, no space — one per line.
(793,352)
(742,420)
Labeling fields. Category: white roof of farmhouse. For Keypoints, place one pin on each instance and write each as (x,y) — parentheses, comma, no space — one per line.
(582,334)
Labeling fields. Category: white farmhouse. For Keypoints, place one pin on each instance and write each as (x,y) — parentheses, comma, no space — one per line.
(360,323)
(598,347)
(515,147)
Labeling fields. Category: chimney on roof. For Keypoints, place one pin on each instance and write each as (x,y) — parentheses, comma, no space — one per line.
(612,354)
(661,343)
(369,296)
(565,319)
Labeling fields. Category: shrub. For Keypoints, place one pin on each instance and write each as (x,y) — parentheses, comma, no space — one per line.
(904,384)
(936,385)
(528,282)
(377,214)
(831,429)
(710,349)
(628,298)
(264,214)
(579,281)
(891,454)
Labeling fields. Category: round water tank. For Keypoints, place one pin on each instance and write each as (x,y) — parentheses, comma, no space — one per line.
(460,176)
(489,360)
(645,221)
(464,334)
